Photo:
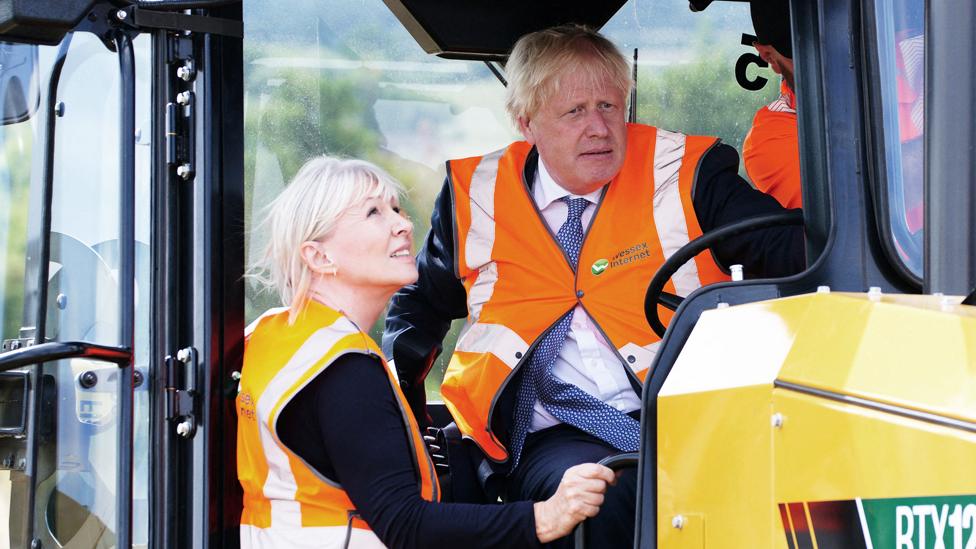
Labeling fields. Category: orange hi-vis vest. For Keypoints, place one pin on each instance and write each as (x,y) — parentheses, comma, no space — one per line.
(287,503)
(519,281)
(771,150)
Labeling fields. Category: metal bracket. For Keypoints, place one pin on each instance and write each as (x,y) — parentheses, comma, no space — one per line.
(16,343)
(181,391)
(103,21)
(147,19)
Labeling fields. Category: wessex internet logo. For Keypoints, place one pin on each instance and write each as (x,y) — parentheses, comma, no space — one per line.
(637,252)
(599,266)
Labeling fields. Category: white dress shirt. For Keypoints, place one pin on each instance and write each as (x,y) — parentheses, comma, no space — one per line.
(586,359)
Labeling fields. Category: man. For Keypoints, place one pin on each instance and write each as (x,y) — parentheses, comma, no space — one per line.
(547,247)
(771,151)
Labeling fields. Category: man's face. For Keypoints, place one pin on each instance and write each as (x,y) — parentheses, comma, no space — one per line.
(581,133)
(780,64)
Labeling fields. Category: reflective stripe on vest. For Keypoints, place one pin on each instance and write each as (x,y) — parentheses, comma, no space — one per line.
(287,501)
(519,282)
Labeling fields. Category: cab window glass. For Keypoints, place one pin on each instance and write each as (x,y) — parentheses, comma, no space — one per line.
(901,67)
(16,144)
(347,79)
(76,481)
(686,62)
(17,133)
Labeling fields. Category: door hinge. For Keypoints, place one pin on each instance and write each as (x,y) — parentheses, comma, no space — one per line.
(182,399)
(181,108)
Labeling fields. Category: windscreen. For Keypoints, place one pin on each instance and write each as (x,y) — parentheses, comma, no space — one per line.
(341,78)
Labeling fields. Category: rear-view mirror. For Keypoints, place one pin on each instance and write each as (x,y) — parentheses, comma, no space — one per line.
(19,88)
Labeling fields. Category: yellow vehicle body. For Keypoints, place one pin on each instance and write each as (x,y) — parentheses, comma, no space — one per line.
(822,420)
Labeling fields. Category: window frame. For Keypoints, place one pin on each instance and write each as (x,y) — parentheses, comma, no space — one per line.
(878,173)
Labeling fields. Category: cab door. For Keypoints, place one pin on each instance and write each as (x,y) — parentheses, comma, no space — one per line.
(120,273)
(75,380)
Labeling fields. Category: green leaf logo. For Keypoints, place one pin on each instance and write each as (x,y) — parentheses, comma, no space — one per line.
(599,266)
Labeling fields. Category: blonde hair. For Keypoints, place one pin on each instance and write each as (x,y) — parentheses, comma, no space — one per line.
(307,210)
(538,59)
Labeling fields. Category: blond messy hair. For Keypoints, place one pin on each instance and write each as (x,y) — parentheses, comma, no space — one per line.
(539,58)
(307,210)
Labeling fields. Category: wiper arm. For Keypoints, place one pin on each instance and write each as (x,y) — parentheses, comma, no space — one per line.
(498,74)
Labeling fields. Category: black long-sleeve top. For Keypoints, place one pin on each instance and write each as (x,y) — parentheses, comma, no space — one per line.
(347,425)
(421,313)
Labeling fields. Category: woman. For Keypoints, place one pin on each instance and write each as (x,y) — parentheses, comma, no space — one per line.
(329,454)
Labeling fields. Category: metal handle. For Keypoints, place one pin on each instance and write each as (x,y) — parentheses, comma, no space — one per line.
(615,462)
(60,350)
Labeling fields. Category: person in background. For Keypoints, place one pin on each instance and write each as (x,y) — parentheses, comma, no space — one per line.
(909,25)
(547,247)
(328,452)
(771,151)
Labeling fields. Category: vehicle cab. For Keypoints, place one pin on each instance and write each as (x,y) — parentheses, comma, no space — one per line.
(141,141)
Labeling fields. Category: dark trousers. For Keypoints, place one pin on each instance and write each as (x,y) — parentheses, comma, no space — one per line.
(546,456)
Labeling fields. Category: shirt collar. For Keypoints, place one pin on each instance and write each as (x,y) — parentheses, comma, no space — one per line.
(549,191)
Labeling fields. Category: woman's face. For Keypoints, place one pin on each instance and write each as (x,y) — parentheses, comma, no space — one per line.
(371,246)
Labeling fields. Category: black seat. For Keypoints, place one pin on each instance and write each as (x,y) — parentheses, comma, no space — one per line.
(464,473)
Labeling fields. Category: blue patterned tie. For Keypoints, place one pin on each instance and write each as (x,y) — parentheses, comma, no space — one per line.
(565,401)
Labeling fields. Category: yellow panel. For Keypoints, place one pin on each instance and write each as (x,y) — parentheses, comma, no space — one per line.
(901,350)
(828,450)
(926,301)
(915,356)
(715,460)
(720,457)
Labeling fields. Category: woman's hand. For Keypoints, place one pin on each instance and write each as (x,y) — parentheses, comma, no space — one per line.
(578,497)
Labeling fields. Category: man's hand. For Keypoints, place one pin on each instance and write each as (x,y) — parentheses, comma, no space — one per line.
(578,497)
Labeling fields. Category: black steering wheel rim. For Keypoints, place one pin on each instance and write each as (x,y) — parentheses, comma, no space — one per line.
(655,290)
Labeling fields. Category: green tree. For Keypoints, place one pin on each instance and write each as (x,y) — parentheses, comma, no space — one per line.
(14,189)
(296,113)
(700,98)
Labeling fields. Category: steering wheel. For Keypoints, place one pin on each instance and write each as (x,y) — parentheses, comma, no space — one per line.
(655,290)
